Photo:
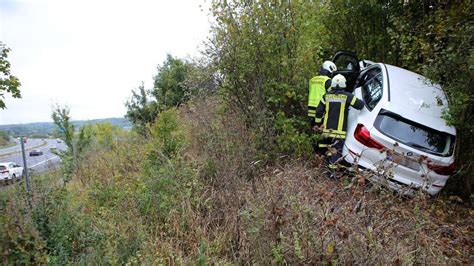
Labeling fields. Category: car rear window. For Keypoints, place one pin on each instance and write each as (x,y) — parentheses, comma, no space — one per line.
(415,135)
(2,167)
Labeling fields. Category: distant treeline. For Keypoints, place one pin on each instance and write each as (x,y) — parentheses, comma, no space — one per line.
(48,128)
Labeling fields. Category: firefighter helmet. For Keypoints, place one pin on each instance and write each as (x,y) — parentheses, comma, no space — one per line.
(329,66)
(338,81)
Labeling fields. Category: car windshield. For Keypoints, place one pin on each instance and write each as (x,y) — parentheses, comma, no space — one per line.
(415,135)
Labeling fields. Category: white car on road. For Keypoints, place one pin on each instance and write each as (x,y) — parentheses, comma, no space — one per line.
(10,170)
(400,133)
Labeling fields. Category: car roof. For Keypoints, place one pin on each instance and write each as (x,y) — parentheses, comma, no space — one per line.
(416,98)
(5,164)
(413,91)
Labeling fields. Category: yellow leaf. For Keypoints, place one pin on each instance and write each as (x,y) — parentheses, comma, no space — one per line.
(330,249)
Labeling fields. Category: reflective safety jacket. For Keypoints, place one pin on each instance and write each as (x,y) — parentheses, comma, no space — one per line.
(334,107)
(317,88)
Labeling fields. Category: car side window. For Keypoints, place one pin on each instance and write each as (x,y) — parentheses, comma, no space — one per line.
(372,87)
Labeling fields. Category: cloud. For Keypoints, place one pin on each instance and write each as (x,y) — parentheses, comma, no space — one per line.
(90,54)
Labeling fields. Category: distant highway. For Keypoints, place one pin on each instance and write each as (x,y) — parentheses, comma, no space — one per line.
(29,144)
(39,164)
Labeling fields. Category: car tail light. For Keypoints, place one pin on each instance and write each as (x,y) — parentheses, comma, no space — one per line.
(363,136)
(443,170)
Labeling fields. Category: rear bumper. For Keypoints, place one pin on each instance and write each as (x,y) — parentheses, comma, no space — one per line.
(397,177)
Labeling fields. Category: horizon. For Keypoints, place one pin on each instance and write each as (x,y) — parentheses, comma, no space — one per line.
(74,120)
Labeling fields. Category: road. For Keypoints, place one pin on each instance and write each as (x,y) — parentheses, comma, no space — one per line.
(29,144)
(39,164)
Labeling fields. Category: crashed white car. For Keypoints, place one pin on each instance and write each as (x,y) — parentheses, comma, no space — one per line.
(9,171)
(400,133)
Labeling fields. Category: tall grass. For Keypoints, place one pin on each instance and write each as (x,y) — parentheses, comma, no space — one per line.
(200,192)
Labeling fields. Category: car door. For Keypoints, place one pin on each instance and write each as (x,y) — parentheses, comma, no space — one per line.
(369,88)
(11,168)
(18,170)
(347,65)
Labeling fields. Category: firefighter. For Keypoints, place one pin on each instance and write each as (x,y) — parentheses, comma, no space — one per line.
(318,86)
(334,107)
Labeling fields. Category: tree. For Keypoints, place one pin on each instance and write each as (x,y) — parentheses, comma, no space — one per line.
(141,110)
(65,131)
(8,83)
(170,88)
(176,82)
(265,53)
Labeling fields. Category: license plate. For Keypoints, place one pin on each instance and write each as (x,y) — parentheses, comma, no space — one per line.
(405,161)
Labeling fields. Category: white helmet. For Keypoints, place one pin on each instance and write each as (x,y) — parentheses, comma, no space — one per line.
(338,81)
(329,66)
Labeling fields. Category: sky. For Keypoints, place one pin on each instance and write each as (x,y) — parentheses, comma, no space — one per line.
(90,54)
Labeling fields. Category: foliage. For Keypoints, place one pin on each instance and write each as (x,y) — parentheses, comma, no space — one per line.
(266,52)
(8,83)
(4,139)
(170,88)
(65,131)
(141,111)
(176,82)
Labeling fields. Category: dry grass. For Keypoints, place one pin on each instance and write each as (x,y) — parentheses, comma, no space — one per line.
(293,213)
(216,203)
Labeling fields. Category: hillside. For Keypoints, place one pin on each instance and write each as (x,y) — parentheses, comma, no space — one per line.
(192,193)
(47,128)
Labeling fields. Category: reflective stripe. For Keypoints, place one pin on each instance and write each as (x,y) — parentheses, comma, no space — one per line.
(326,116)
(323,145)
(337,100)
(318,120)
(353,100)
(311,111)
(331,131)
(332,166)
(341,116)
(337,135)
(311,115)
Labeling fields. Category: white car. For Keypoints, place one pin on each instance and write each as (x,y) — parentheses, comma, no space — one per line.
(400,133)
(10,171)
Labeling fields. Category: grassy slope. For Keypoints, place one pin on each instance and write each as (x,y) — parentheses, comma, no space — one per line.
(212,202)
(6,144)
